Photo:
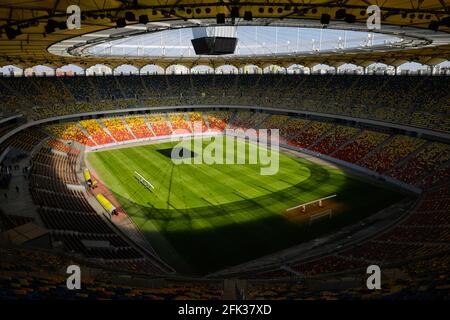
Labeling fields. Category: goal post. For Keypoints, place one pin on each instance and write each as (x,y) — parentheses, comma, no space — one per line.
(143,181)
(303,205)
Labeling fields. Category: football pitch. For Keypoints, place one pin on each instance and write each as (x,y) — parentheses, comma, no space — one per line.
(201,218)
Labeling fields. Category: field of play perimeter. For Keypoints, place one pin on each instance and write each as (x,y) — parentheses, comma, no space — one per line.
(202,218)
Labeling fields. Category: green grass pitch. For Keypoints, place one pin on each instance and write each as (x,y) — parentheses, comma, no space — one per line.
(202,218)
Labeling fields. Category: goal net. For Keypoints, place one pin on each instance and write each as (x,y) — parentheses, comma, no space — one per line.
(320,215)
(143,181)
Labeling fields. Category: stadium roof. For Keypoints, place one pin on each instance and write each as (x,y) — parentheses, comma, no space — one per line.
(253,41)
(415,20)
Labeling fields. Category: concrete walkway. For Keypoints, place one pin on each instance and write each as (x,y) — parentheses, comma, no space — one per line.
(19,203)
